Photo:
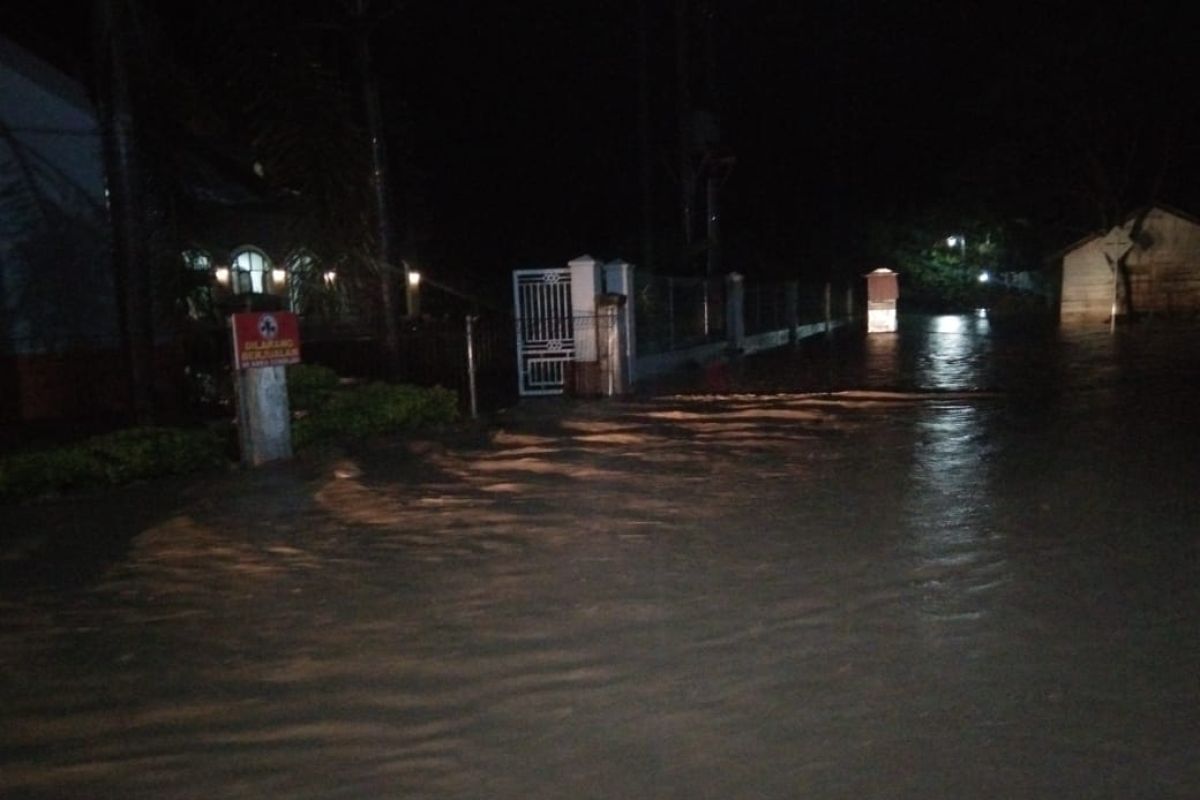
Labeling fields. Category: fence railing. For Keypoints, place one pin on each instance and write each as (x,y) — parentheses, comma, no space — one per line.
(431,352)
(673,313)
(766,305)
(676,319)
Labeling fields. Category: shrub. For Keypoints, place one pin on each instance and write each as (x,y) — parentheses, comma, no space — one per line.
(42,471)
(108,460)
(375,409)
(146,452)
(310,386)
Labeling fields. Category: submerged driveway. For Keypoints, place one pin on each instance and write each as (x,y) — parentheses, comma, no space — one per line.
(866,594)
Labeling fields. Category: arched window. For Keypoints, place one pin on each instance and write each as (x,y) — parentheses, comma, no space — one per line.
(301,266)
(197,260)
(249,268)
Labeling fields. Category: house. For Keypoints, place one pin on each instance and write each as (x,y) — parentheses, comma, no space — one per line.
(1162,262)
(61,352)
(59,329)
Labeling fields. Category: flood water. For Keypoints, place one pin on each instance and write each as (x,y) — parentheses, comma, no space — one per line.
(961,561)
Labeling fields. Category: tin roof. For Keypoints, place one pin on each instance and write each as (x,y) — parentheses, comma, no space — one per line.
(1183,215)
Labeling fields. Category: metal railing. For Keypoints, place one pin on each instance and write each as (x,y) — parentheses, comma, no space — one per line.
(674,313)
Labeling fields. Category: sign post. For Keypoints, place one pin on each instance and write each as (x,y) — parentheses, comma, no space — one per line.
(264,343)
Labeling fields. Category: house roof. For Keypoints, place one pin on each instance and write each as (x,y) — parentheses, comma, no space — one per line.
(41,73)
(1175,212)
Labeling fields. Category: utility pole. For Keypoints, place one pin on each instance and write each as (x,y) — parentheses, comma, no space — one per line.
(644,153)
(131,255)
(713,213)
(385,251)
(715,166)
(687,178)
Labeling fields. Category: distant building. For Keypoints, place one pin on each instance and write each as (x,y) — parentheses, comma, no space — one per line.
(59,335)
(61,353)
(1163,264)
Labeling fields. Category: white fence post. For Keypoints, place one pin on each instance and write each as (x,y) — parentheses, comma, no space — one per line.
(735,313)
(614,370)
(471,366)
(618,279)
(791,309)
(670,313)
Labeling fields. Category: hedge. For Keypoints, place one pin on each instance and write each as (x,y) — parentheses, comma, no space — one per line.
(110,460)
(328,412)
(374,409)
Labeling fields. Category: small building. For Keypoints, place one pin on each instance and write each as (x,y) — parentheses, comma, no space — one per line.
(1163,264)
(883,290)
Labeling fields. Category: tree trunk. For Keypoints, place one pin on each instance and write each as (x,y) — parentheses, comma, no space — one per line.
(1122,265)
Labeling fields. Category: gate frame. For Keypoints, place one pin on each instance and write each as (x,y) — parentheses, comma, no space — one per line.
(546,338)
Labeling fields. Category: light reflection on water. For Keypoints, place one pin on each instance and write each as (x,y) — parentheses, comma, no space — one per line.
(949,509)
(949,514)
(951,359)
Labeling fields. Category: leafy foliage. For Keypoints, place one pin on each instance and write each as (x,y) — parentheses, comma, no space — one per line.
(285,88)
(332,413)
(374,409)
(937,271)
(109,460)
(310,386)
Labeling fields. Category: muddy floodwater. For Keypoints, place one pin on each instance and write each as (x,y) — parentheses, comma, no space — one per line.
(962,561)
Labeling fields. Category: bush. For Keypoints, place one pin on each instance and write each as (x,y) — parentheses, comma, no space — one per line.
(146,452)
(43,471)
(109,460)
(375,409)
(310,386)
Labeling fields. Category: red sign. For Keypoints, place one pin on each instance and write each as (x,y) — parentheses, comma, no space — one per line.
(265,339)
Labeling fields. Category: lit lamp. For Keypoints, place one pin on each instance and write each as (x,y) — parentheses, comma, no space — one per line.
(960,242)
(221,276)
(412,290)
(329,277)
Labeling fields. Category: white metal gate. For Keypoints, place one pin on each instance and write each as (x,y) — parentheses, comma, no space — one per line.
(545,329)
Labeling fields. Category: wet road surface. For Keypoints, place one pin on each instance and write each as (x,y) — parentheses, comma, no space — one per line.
(973,572)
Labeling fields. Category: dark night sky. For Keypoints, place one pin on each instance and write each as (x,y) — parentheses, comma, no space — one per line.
(521,116)
(836,111)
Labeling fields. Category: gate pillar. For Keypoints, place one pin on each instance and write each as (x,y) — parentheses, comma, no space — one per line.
(618,279)
(585,285)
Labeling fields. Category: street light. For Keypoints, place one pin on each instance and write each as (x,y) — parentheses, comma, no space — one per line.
(959,241)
